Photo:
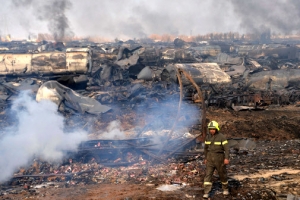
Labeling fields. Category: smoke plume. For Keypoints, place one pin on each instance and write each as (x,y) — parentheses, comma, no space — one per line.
(53,12)
(39,133)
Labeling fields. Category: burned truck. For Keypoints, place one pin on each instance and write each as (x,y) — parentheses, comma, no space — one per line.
(73,60)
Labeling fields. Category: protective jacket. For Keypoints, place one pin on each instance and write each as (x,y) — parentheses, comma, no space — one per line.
(216,144)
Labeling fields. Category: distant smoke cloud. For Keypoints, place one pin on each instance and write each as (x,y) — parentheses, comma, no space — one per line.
(53,12)
(122,19)
(140,18)
(278,15)
(39,133)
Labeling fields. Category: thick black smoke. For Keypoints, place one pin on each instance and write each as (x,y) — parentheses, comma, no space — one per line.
(257,16)
(53,12)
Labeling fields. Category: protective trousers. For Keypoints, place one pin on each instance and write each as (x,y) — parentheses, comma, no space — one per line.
(215,161)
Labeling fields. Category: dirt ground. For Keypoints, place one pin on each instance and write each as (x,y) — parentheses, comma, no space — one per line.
(273,127)
(274,123)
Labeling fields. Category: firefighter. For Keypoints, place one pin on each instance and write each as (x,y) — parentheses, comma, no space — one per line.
(216,151)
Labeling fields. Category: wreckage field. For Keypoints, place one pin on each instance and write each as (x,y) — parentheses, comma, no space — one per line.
(268,167)
(127,120)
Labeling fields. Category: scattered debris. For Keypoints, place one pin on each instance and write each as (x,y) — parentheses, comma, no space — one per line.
(60,94)
(169,187)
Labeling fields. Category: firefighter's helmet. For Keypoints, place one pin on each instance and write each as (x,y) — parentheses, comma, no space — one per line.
(213,125)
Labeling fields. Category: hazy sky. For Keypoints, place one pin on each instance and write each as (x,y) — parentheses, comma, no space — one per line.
(138,18)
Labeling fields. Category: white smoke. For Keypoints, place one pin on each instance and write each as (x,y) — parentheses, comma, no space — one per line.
(161,116)
(113,131)
(39,133)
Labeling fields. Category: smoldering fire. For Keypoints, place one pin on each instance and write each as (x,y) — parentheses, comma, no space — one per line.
(38,132)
